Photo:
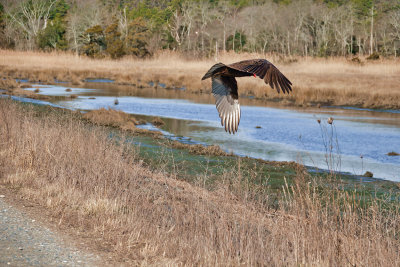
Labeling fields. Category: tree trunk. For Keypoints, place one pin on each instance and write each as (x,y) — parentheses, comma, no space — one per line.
(76,44)
(224,44)
(264,46)
(371,39)
(216,51)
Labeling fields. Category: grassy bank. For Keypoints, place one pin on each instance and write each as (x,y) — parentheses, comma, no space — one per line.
(332,81)
(93,179)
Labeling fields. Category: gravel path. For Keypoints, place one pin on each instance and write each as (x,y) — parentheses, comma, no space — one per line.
(25,242)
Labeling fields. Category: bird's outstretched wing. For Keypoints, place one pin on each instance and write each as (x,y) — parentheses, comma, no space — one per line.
(265,70)
(214,69)
(224,70)
(224,90)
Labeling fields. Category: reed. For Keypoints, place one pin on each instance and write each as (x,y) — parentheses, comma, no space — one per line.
(332,81)
(198,149)
(99,187)
(11,87)
(111,117)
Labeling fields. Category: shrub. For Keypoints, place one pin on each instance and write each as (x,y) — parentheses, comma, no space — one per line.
(236,42)
(95,42)
(136,40)
(373,56)
(115,46)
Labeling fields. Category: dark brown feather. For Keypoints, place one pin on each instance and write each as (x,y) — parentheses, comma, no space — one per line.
(225,91)
(265,70)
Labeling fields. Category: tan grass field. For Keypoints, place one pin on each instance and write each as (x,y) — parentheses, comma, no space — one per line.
(331,81)
(143,217)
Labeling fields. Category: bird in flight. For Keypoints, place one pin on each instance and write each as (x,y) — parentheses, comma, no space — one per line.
(225,89)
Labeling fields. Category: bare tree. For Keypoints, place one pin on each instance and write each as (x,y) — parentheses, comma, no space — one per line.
(81,16)
(302,27)
(224,10)
(394,21)
(343,29)
(371,38)
(266,26)
(182,23)
(75,30)
(123,22)
(176,27)
(189,12)
(205,17)
(30,15)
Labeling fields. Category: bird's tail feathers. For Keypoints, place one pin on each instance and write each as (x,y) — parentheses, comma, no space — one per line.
(213,70)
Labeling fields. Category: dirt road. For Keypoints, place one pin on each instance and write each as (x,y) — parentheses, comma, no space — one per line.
(27,242)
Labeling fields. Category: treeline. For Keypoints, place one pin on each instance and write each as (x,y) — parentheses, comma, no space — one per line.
(115,28)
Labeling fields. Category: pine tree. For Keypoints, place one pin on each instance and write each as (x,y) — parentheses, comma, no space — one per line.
(136,41)
(53,36)
(3,42)
(95,42)
(115,46)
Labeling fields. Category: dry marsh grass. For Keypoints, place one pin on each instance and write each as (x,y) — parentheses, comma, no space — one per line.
(117,119)
(9,84)
(142,217)
(12,87)
(200,149)
(111,117)
(332,81)
(158,122)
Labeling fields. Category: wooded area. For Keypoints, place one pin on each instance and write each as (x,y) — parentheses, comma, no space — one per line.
(114,28)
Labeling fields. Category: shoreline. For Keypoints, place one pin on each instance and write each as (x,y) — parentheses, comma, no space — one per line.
(199,148)
(332,81)
(245,100)
(219,151)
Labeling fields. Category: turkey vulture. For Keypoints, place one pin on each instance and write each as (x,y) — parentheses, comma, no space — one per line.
(225,90)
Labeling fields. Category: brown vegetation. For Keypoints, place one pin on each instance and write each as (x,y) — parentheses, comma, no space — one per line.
(158,122)
(198,149)
(331,81)
(368,174)
(14,88)
(9,84)
(117,119)
(111,117)
(101,189)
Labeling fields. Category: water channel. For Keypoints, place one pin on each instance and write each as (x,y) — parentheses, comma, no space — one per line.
(358,140)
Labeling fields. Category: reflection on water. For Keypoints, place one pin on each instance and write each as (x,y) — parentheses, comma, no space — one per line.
(282,134)
(110,89)
(346,113)
(60,90)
